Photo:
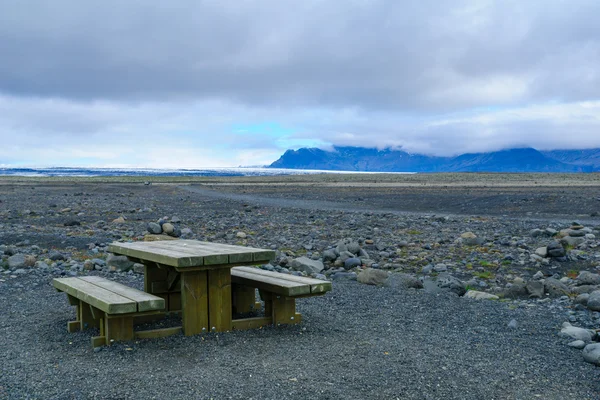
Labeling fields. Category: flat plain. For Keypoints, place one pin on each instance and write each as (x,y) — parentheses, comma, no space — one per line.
(358,341)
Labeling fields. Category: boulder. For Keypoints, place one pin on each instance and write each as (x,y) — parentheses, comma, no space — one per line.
(556,288)
(16,261)
(477,295)
(588,278)
(154,228)
(168,228)
(404,281)
(470,239)
(576,333)
(119,263)
(593,301)
(555,249)
(516,291)
(535,289)
(352,262)
(371,276)
(307,265)
(591,353)
(449,282)
(572,241)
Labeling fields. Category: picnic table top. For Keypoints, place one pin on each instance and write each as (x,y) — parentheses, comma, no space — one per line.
(192,253)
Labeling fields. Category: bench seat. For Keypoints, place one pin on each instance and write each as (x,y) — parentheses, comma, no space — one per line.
(278,291)
(107,305)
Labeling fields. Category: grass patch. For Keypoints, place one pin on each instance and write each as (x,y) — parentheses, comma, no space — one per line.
(414,232)
(484,275)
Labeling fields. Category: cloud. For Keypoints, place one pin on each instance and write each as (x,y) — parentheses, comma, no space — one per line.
(235,82)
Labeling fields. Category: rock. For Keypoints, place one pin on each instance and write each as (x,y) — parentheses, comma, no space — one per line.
(329,255)
(175,219)
(371,276)
(535,289)
(588,278)
(449,282)
(555,249)
(582,299)
(351,263)
(138,268)
(538,275)
(241,235)
(577,344)
(591,353)
(119,263)
(556,288)
(88,265)
(56,255)
(477,295)
(120,220)
(470,239)
(16,261)
(572,241)
(440,268)
(307,265)
(403,281)
(576,333)
(176,232)
(168,228)
(516,291)
(513,324)
(154,228)
(593,301)
(542,251)
(71,222)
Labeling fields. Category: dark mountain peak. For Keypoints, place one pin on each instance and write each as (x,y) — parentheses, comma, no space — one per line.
(525,159)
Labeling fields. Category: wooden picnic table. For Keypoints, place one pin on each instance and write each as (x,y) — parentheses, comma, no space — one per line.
(194,277)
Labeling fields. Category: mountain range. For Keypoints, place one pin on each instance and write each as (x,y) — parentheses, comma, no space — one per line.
(342,158)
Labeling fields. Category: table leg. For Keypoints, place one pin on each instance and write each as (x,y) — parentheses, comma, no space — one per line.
(194,302)
(219,299)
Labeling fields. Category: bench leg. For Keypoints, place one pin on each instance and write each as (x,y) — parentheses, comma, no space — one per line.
(194,302)
(88,317)
(117,329)
(219,299)
(243,298)
(282,309)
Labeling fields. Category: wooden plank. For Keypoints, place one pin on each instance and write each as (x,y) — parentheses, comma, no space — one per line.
(73,326)
(152,273)
(190,253)
(158,333)
(194,302)
(155,254)
(270,284)
(86,317)
(118,329)
(145,301)
(98,341)
(316,285)
(284,310)
(219,299)
(172,279)
(96,296)
(175,301)
(250,323)
(243,298)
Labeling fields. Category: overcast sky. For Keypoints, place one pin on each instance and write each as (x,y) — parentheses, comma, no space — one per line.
(193,83)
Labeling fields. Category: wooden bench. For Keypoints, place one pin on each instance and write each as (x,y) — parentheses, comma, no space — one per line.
(278,291)
(110,307)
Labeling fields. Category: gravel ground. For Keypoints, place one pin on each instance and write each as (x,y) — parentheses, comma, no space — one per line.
(358,341)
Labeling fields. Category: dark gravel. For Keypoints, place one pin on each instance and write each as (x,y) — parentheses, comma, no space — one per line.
(356,342)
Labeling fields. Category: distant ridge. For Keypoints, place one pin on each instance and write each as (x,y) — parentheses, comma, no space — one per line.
(388,160)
